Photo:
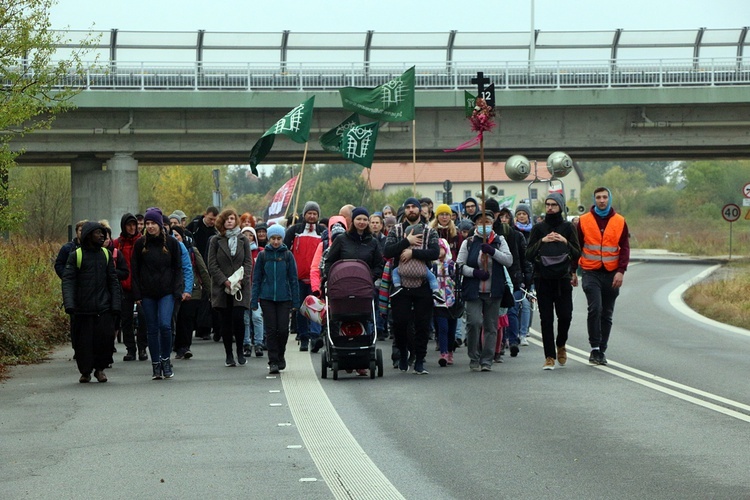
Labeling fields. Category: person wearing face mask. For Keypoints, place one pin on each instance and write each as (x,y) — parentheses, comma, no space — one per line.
(483,258)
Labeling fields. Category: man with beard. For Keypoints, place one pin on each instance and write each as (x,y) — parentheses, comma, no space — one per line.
(604,260)
(554,249)
(414,302)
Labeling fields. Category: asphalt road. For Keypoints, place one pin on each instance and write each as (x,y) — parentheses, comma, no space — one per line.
(668,418)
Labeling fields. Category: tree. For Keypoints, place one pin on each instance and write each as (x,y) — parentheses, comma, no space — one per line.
(31,94)
(626,186)
(46,200)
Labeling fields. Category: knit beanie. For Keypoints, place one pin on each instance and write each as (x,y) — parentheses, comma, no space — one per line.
(443,209)
(154,215)
(275,230)
(492,205)
(465,225)
(412,201)
(359,211)
(336,230)
(523,207)
(311,206)
(557,198)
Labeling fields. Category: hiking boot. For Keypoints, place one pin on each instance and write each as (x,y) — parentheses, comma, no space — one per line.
(602,359)
(166,368)
(100,376)
(130,356)
(142,355)
(273,369)
(282,364)
(549,364)
(514,350)
(595,357)
(396,291)
(443,361)
(85,379)
(419,367)
(156,368)
(258,351)
(562,355)
(230,361)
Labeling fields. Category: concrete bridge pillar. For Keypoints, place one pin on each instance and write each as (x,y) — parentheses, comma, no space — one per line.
(104,191)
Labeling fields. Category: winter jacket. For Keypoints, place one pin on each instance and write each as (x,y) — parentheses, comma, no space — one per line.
(396,243)
(222,264)
(471,257)
(63,254)
(93,288)
(353,246)
(520,270)
(303,239)
(275,277)
(124,244)
(315,278)
(187,269)
(542,229)
(201,234)
(202,280)
(156,273)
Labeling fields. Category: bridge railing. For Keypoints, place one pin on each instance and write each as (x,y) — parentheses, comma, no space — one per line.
(310,76)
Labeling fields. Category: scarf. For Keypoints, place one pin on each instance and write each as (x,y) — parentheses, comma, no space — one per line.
(231,235)
(524,227)
(605,212)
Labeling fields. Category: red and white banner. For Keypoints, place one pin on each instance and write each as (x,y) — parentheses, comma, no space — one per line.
(281,200)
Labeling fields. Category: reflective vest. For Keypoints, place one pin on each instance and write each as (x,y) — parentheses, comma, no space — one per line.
(600,248)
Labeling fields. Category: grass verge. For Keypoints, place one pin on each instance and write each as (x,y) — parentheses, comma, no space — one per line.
(32,320)
(725,297)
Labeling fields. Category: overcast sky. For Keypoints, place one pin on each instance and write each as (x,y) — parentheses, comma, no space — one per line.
(403,15)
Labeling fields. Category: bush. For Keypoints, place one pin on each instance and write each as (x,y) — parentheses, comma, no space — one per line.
(32,320)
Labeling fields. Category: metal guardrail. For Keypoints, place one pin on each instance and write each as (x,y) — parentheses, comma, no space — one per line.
(509,76)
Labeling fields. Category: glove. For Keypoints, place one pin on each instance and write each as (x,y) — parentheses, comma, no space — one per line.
(316,293)
(481,274)
(488,249)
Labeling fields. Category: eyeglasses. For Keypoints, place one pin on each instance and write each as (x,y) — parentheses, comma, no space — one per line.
(470,206)
(550,204)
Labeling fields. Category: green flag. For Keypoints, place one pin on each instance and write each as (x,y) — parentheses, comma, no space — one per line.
(330,140)
(469,102)
(358,143)
(391,102)
(295,125)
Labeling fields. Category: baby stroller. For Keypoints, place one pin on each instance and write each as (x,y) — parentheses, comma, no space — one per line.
(350,339)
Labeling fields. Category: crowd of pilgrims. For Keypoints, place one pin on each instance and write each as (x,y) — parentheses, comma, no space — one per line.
(459,277)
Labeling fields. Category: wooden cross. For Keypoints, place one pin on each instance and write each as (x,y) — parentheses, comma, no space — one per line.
(480,80)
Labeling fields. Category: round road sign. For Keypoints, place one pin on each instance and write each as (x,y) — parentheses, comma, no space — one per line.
(746,190)
(731,212)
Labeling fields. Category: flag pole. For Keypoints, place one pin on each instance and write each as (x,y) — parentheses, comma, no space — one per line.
(481,167)
(414,156)
(299,184)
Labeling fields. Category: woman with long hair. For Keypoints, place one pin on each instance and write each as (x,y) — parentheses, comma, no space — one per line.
(446,229)
(156,266)
(227,253)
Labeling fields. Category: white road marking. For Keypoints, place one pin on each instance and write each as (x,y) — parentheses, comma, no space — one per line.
(343,464)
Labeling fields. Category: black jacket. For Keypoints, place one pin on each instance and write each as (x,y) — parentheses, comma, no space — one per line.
(93,288)
(63,254)
(521,270)
(156,273)
(350,246)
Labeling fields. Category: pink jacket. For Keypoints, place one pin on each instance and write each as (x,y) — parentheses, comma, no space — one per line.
(318,256)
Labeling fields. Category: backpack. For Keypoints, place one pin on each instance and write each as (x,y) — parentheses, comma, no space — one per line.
(79,256)
(553,259)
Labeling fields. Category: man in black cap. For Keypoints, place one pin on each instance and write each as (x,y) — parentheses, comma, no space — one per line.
(414,302)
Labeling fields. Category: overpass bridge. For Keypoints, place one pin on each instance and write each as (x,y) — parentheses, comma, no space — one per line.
(184,98)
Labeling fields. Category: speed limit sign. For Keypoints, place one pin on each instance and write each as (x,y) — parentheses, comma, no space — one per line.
(731,212)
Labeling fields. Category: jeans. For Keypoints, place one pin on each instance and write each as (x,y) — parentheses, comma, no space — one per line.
(446,332)
(512,332)
(253,327)
(524,316)
(554,297)
(158,316)
(597,285)
(306,329)
(481,314)
(460,328)
(187,318)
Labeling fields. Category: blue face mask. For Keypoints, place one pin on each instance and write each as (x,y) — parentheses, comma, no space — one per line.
(484,230)
(253,246)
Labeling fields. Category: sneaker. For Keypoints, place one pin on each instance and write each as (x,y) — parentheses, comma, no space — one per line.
(317,344)
(602,359)
(142,355)
(474,367)
(282,364)
(443,361)
(179,355)
(562,355)
(498,357)
(166,368)
(156,367)
(549,364)
(419,367)
(188,354)
(450,358)
(130,356)
(217,337)
(396,291)
(595,357)
(247,350)
(85,379)
(524,341)
(230,361)
(514,350)
(273,369)
(241,359)
(458,343)
(100,376)
(438,297)
(304,345)
(403,364)
(258,351)
(486,368)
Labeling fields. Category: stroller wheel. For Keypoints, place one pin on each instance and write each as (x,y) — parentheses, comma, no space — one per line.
(379,361)
(373,367)
(335,368)
(324,365)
